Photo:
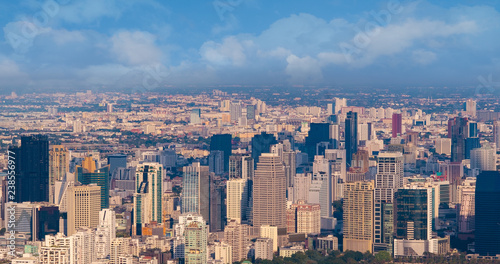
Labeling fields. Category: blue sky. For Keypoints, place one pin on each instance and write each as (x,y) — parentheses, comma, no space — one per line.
(52,45)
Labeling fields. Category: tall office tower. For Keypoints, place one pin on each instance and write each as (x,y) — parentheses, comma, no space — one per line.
(32,169)
(322,185)
(304,218)
(45,221)
(413,213)
(261,144)
(264,248)
(179,231)
(195,249)
(58,166)
(443,146)
(329,109)
(472,129)
(466,212)
(223,143)
(217,206)
(224,105)
(237,199)
(339,103)
(351,136)
(470,107)
(105,233)
(251,112)
(195,118)
(397,125)
(236,235)
(269,192)
(88,174)
(116,161)
(488,213)
(235,111)
(389,178)
(458,132)
(358,216)
(147,196)
(289,160)
(319,132)
(216,162)
(168,158)
(453,172)
(483,159)
(335,135)
(196,190)
(84,204)
(361,160)
(470,144)
(301,186)
(241,167)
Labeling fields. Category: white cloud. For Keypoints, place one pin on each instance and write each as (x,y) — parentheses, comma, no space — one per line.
(303,70)
(136,48)
(423,57)
(229,52)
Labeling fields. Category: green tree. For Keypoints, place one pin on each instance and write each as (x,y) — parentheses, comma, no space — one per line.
(383,257)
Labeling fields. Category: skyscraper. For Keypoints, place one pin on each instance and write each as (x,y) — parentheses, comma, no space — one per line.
(195,118)
(237,199)
(116,161)
(269,192)
(351,136)
(262,144)
(483,159)
(223,143)
(470,107)
(289,160)
(488,213)
(216,162)
(241,167)
(58,166)
(89,174)
(105,233)
(235,111)
(148,195)
(358,216)
(458,132)
(195,249)
(319,132)
(396,125)
(413,214)
(389,178)
(84,204)
(236,235)
(250,112)
(32,169)
(196,190)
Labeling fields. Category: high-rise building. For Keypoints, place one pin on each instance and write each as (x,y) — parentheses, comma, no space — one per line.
(397,126)
(58,166)
(302,184)
(329,109)
(470,144)
(223,143)
(241,167)
(318,132)
(269,192)
(105,233)
(88,174)
(351,136)
(304,218)
(148,195)
(483,159)
(268,231)
(223,253)
(264,248)
(251,112)
(443,146)
(116,161)
(413,213)
(235,111)
(358,216)
(389,178)
(195,248)
(217,206)
(196,190)
(453,173)
(339,103)
(496,133)
(261,143)
(458,131)
(487,204)
(195,118)
(32,169)
(237,199)
(470,107)
(466,212)
(84,204)
(216,162)
(236,235)
(290,162)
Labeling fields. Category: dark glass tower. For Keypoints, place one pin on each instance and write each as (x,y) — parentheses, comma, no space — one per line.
(32,181)
(319,132)
(411,214)
(351,136)
(222,142)
(488,213)
(99,177)
(262,144)
(458,132)
(116,161)
(470,144)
